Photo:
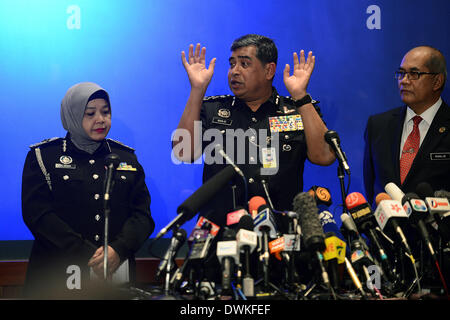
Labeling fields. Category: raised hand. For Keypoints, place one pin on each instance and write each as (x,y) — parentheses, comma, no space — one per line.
(297,83)
(199,75)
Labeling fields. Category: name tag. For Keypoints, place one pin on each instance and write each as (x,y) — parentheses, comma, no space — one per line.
(226,122)
(440,156)
(65,166)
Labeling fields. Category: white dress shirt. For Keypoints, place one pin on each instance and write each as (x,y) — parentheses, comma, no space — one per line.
(427,117)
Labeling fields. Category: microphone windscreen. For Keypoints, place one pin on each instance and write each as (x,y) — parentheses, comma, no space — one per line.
(199,198)
(254,203)
(246,222)
(321,194)
(442,194)
(312,231)
(328,223)
(113,159)
(329,135)
(424,190)
(382,196)
(354,199)
(229,234)
(395,192)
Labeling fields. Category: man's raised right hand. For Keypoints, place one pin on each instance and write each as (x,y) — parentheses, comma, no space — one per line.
(199,75)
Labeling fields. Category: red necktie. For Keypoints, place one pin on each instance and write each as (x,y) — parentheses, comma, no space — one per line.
(410,149)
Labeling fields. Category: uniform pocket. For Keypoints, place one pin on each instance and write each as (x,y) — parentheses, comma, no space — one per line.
(67,186)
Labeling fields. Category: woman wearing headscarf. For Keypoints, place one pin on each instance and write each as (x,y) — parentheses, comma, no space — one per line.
(63,186)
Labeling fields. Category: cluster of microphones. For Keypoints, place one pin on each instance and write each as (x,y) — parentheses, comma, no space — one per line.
(397,250)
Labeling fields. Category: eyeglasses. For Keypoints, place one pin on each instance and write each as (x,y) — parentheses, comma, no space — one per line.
(412,75)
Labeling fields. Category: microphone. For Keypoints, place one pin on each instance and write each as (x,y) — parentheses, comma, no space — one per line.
(312,231)
(394,192)
(264,222)
(332,138)
(200,241)
(314,238)
(266,192)
(201,238)
(361,259)
(439,207)
(417,211)
(436,207)
(112,161)
(389,214)
(442,194)
(228,254)
(189,208)
(321,195)
(254,204)
(234,217)
(365,220)
(219,149)
(204,223)
(175,244)
(328,223)
(334,254)
(349,226)
(443,217)
(247,241)
(264,226)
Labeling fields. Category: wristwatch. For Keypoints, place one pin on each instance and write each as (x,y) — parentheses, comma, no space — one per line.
(305,100)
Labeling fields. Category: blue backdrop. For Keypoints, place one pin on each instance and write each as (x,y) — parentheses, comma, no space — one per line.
(132,48)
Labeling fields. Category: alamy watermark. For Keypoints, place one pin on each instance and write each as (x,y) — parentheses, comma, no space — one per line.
(242,147)
(374,280)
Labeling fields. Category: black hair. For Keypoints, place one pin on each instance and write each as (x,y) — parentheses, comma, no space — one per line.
(266,51)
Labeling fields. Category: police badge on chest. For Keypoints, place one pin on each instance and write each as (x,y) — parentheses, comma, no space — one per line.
(65,163)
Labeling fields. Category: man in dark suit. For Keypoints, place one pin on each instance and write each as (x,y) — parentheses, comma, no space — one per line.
(405,149)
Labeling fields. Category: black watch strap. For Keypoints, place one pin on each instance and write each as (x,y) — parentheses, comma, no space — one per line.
(305,100)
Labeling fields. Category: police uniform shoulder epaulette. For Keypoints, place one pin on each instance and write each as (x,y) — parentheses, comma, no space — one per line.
(120,144)
(216,98)
(45,142)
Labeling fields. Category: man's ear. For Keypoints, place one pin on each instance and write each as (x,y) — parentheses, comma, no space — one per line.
(270,69)
(438,82)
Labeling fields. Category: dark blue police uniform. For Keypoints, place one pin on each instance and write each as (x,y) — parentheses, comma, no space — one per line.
(276,117)
(62,205)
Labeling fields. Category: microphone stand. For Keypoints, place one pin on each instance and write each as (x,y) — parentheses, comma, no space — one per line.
(107,210)
(341,176)
(112,161)
(105,255)
(169,267)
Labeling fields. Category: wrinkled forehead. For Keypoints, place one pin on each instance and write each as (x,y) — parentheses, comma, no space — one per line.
(248,52)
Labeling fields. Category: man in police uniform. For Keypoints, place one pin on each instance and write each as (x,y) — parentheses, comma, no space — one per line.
(255,108)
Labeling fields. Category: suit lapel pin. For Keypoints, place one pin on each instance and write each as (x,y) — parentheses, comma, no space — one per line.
(442,129)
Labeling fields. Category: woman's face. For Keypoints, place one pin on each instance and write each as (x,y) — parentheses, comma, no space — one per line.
(97,119)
